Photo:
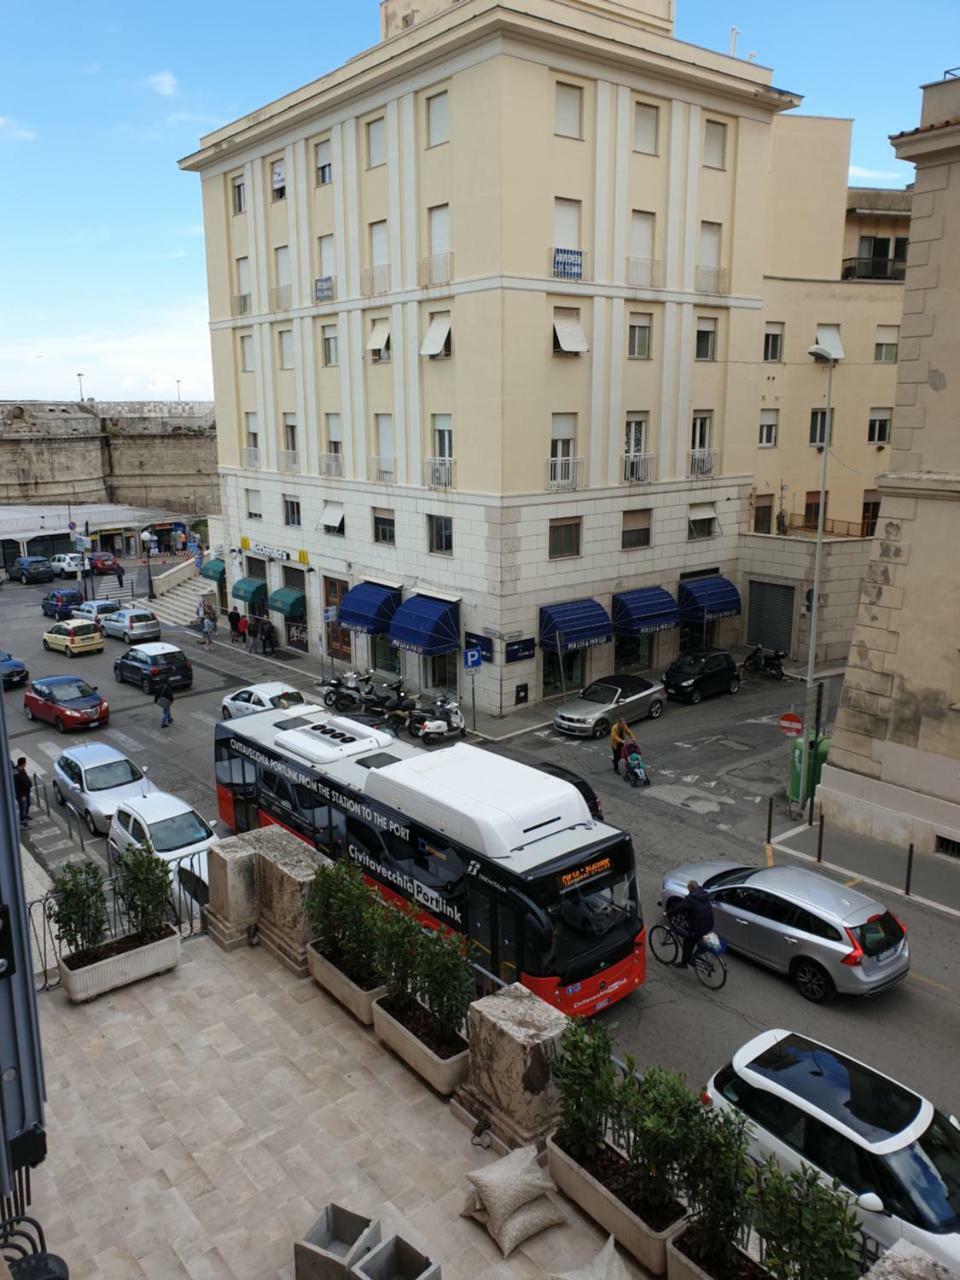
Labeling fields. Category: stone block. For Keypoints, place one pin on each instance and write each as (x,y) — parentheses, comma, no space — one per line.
(285,867)
(887,597)
(914,302)
(870,726)
(905,1261)
(919,325)
(918,255)
(869,681)
(513,1037)
(931,228)
(923,204)
(893,550)
(934,177)
(234,903)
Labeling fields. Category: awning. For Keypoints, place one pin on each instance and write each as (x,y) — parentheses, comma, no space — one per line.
(369,608)
(703,599)
(570,333)
(578,624)
(828,337)
(426,625)
(379,335)
(436,336)
(288,601)
(249,590)
(331,517)
(648,609)
(702,511)
(214,569)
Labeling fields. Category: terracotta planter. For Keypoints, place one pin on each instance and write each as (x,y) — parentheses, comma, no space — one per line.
(442,1074)
(332,979)
(649,1247)
(680,1267)
(117,971)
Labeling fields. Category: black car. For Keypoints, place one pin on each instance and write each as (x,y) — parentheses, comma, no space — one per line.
(700,674)
(582,785)
(60,604)
(12,671)
(31,569)
(151,665)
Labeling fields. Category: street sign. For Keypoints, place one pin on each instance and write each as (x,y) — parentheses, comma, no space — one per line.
(330,613)
(791,724)
(81,543)
(471,658)
(72,525)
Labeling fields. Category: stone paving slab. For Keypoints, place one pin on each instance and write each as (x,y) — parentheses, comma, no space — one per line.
(199,1121)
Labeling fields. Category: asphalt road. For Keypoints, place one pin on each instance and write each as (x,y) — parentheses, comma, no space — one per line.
(713,767)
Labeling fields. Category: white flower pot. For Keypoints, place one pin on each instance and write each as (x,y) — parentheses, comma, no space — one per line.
(117,971)
(442,1074)
(335,981)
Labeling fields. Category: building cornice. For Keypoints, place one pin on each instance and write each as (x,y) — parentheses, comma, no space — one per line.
(944,486)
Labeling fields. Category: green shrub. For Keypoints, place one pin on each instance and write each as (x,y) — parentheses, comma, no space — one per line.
(345,918)
(446,984)
(399,947)
(586,1081)
(807,1229)
(78,908)
(714,1179)
(653,1122)
(141,882)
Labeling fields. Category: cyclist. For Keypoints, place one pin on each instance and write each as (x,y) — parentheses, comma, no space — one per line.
(698,909)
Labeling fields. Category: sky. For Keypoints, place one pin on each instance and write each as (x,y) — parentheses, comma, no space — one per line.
(101,245)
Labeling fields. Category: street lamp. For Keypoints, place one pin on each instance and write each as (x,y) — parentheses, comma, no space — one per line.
(80,380)
(146,538)
(178,388)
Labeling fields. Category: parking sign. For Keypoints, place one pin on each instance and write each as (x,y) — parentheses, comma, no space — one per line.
(471,658)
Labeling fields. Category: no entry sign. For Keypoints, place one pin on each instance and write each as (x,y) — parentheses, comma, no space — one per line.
(791,724)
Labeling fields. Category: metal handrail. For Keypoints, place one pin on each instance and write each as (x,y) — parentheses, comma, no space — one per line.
(564,473)
(637,468)
(704,462)
(644,273)
(873,269)
(435,269)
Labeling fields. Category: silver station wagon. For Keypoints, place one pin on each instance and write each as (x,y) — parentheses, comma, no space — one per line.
(605,701)
(129,625)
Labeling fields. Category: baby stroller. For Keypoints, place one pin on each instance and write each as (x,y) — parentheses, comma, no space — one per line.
(634,769)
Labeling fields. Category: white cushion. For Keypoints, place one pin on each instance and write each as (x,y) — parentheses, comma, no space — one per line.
(605,1265)
(504,1187)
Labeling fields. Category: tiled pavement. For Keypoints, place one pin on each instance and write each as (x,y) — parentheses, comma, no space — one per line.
(199,1120)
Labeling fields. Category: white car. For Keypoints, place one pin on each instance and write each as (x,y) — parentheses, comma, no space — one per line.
(95,778)
(94,610)
(69,564)
(896,1155)
(166,825)
(260,697)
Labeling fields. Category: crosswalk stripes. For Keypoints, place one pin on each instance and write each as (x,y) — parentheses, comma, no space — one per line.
(124,740)
(50,747)
(204,718)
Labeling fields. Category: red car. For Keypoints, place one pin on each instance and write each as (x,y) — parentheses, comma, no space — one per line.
(103,562)
(66,702)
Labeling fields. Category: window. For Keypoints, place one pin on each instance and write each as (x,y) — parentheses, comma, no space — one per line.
(564,538)
(333,521)
(442,424)
(635,530)
(290,432)
(440,535)
(281,265)
(383,427)
(811,509)
(878,427)
(330,344)
(568,111)
(438,126)
(887,341)
(706,338)
(638,337)
(768,428)
(635,437)
(702,431)
(566,223)
(710,240)
(379,248)
(252,430)
(291,511)
(246,353)
(327,257)
(828,337)
(239,196)
(243,276)
(334,438)
(324,163)
(642,225)
(818,427)
(701,521)
(646,127)
(378,344)
(254,504)
(900,246)
(278,180)
(563,434)
(715,145)
(773,342)
(376,143)
(384,527)
(438,342)
(568,336)
(763,513)
(439,223)
(286,348)
(871,513)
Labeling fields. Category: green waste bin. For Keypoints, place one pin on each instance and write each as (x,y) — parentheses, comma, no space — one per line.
(818,758)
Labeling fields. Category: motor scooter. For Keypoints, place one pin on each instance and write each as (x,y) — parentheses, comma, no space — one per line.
(768,664)
(381,699)
(443,719)
(345,692)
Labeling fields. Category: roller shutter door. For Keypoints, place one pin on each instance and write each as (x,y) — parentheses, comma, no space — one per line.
(771,615)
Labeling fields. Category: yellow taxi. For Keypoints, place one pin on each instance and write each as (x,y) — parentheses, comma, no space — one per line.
(73,637)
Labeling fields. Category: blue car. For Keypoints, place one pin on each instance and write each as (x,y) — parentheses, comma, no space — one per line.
(60,604)
(12,671)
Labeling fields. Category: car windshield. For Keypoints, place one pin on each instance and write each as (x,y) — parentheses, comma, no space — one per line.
(178,832)
(688,665)
(106,608)
(167,659)
(929,1173)
(140,617)
(117,773)
(85,629)
(599,692)
(880,933)
(289,698)
(72,689)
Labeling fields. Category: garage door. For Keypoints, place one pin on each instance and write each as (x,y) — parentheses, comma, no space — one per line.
(771,615)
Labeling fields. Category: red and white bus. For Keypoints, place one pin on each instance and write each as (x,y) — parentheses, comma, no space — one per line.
(480,844)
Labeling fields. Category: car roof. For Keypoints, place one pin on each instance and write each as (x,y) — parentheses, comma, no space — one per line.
(825,896)
(55,680)
(157,805)
(156,646)
(268,689)
(89,754)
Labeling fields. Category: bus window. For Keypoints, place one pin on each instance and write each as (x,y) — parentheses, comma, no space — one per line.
(480,924)
(338,832)
(314,811)
(438,864)
(233,770)
(277,787)
(507,969)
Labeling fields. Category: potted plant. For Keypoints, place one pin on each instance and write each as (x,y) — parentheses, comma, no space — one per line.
(345,918)
(807,1230)
(89,964)
(429,988)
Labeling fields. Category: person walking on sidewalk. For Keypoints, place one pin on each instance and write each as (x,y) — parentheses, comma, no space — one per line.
(253,630)
(619,734)
(233,617)
(268,636)
(164,699)
(208,628)
(243,625)
(23,788)
(119,573)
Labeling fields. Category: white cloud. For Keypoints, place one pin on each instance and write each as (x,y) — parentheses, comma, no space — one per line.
(162,82)
(11,131)
(875,175)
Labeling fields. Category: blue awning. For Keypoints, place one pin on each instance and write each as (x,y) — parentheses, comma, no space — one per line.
(214,569)
(369,608)
(578,624)
(424,624)
(638,612)
(252,591)
(703,599)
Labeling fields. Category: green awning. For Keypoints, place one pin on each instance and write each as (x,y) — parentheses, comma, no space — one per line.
(288,601)
(250,590)
(214,569)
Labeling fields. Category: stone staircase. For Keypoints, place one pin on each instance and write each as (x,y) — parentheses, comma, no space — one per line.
(178,606)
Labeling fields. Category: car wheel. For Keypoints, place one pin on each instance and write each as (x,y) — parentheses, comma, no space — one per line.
(227,713)
(46,646)
(91,825)
(329,699)
(601,729)
(118,675)
(813,982)
(61,727)
(656,709)
(145,685)
(695,696)
(70,653)
(126,638)
(734,685)
(58,794)
(28,713)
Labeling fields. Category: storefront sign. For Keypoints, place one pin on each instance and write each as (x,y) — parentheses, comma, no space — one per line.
(587,643)
(519,650)
(323,289)
(483,643)
(272,553)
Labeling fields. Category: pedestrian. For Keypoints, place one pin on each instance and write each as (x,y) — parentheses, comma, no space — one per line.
(201,612)
(619,734)
(119,573)
(242,627)
(268,636)
(164,699)
(210,611)
(208,628)
(23,788)
(253,630)
(233,617)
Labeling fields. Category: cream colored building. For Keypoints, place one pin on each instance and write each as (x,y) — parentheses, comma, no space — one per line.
(488,313)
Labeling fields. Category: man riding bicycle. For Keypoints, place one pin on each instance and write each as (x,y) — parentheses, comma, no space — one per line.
(698,910)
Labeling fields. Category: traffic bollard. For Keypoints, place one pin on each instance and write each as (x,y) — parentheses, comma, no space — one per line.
(909,870)
(820,840)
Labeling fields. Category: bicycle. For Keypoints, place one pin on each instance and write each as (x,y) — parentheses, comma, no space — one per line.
(666,941)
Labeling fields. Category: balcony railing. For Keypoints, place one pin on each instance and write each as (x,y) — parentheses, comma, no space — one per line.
(383,470)
(568,264)
(280,297)
(331,465)
(324,289)
(439,473)
(704,462)
(564,473)
(240,304)
(873,269)
(638,468)
(288,460)
(375,280)
(251,457)
(712,280)
(436,268)
(806,523)
(644,273)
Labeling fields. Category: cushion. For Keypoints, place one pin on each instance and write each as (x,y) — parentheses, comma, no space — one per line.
(504,1187)
(605,1265)
(530,1218)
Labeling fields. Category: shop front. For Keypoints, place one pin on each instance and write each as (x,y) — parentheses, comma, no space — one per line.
(216,571)
(639,618)
(567,632)
(253,593)
(290,601)
(703,603)
(430,627)
(369,609)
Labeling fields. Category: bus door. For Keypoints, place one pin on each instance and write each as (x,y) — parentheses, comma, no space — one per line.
(494,932)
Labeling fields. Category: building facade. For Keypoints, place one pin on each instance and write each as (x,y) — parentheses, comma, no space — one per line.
(490,333)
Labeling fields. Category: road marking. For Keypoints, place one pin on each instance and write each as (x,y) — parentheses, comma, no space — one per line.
(32,766)
(204,718)
(929,982)
(124,739)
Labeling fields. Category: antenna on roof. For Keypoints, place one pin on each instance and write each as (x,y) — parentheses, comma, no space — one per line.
(732,47)
(752,55)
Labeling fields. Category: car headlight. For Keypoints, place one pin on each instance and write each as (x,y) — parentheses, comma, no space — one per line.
(685,684)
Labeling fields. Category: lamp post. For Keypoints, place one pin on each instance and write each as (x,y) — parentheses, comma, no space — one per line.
(178,388)
(80,380)
(146,538)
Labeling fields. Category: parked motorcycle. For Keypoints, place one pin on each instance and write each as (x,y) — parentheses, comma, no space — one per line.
(767,664)
(381,699)
(442,719)
(345,693)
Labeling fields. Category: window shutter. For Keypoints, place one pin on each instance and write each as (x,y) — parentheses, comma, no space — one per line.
(887,333)
(709,244)
(440,229)
(281,257)
(641,234)
(569,111)
(437,122)
(378,244)
(828,337)
(563,426)
(324,154)
(243,275)
(645,126)
(715,144)
(566,224)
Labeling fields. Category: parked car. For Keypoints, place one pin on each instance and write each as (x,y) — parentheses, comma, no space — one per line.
(130,624)
(828,937)
(260,697)
(31,569)
(607,700)
(149,665)
(94,610)
(66,702)
(95,778)
(700,674)
(167,825)
(896,1155)
(60,604)
(12,671)
(103,562)
(69,564)
(583,786)
(73,638)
